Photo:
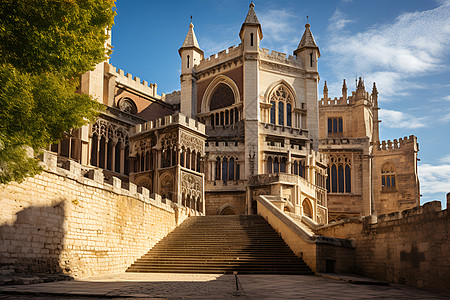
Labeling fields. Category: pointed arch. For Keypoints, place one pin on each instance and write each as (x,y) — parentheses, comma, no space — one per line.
(220,79)
(272,87)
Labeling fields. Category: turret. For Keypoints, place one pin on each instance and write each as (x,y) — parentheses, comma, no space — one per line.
(307,50)
(191,55)
(251,32)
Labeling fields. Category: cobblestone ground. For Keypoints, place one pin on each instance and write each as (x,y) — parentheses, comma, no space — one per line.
(204,286)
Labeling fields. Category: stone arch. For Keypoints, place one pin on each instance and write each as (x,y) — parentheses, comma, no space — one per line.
(144,182)
(228,209)
(307,208)
(221,79)
(272,87)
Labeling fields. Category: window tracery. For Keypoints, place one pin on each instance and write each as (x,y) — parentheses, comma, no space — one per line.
(339,174)
(388,181)
(281,109)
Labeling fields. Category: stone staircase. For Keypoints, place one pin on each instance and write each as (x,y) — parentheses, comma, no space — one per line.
(222,244)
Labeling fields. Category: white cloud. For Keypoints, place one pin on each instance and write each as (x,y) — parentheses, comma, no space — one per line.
(445,160)
(446,118)
(398,119)
(338,21)
(447,98)
(280,30)
(414,44)
(434,178)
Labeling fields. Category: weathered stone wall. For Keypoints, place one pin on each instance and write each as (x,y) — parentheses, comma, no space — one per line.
(411,247)
(62,222)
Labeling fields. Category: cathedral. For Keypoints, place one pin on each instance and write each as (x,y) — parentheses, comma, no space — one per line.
(247,122)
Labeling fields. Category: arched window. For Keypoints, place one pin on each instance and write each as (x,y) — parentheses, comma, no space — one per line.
(236,115)
(102,153)
(281,109)
(276,165)
(224,169)
(127,105)
(269,165)
(218,168)
(222,96)
(232,116)
(212,120)
(188,158)
(388,182)
(183,153)
(283,165)
(126,165)
(227,117)
(231,166)
(198,161)
(339,174)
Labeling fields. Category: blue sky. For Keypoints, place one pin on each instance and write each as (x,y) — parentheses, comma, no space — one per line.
(403,45)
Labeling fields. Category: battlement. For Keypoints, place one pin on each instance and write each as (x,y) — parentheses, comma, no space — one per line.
(175,119)
(220,57)
(94,177)
(397,144)
(333,102)
(134,82)
(280,57)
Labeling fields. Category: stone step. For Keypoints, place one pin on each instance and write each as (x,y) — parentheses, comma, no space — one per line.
(222,244)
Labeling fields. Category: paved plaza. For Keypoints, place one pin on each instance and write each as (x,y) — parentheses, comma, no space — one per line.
(214,286)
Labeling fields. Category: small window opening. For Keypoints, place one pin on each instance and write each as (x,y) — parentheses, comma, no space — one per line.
(188,58)
(311,59)
(251,39)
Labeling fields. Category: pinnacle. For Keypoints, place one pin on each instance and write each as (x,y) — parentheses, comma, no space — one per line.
(307,40)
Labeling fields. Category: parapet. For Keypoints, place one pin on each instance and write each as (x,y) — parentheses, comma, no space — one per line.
(280,57)
(401,143)
(175,119)
(221,57)
(93,177)
(135,82)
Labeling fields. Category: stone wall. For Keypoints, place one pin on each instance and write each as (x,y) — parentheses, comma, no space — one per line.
(62,222)
(411,247)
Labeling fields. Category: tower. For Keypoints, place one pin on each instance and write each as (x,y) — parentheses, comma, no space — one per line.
(191,55)
(308,52)
(251,35)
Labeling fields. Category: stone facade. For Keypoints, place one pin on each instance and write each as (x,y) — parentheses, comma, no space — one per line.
(261,115)
(62,221)
(365,175)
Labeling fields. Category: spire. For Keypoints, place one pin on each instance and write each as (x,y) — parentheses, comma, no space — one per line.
(307,41)
(374,89)
(190,42)
(325,90)
(251,15)
(344,90)
(360,85)
(251,20)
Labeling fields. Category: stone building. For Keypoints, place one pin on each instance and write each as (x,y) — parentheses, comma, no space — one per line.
(247,122)
(260,110)
(366,176)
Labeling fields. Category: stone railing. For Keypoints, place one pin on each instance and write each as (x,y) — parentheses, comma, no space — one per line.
(316,251)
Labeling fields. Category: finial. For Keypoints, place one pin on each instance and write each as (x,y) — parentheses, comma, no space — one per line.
(251,5)
(307,22)
(374,89)
(344,85)
(325,90)
(191,18)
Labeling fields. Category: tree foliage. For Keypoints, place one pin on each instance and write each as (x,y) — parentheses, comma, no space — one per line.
(44,48)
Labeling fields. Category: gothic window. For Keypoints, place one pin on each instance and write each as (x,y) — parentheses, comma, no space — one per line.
(339,174)
(231,166)
(127,160)
(281,109)
(218,168)
(222,96)
(198,162)
(102,153)
(227,117)
(283,165)
(388,177)
(335,125)
(232,116)
(127,105)
(236,115)
(224,169)
(94,150)
(212,120)
(295,168)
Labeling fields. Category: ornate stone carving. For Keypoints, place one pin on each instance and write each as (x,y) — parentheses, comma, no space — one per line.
(191,142)
(191,184)
(166,185)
